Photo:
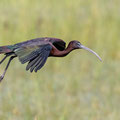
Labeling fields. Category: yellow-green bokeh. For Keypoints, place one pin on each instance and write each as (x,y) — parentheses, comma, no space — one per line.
(77,87)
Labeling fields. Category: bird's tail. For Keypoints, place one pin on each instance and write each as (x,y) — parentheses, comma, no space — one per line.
(6,49)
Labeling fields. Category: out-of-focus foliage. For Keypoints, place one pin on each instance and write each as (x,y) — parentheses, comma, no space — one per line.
(77,87)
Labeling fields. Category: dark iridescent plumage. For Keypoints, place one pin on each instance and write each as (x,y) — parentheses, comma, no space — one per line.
(36,51)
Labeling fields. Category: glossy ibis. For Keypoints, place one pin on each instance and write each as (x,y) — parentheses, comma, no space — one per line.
(36,52)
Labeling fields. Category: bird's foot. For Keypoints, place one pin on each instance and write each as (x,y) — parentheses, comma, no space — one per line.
(1,78)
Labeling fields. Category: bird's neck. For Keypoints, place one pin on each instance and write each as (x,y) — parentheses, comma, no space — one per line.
(57,53)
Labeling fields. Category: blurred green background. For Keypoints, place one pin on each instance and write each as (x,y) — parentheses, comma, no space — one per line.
(77,87)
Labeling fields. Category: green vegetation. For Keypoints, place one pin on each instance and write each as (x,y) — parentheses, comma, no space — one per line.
(77,87)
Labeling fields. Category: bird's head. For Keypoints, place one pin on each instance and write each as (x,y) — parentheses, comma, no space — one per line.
(77,45)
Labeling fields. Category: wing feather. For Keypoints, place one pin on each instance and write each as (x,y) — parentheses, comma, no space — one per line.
(34,65)
(27,53)
(36,56)
(32,62)
(41,64)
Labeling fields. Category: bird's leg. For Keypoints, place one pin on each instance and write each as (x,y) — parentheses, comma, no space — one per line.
(3,59)
(6,55)
(2,76)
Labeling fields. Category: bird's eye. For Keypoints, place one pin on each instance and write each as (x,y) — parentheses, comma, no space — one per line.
(78,43)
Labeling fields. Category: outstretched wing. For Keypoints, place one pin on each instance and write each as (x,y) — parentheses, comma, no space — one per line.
(35,55)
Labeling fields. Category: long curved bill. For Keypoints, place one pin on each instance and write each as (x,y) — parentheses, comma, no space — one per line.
(88,49)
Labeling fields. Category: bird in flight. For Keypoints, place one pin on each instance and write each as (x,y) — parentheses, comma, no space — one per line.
(36,52)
